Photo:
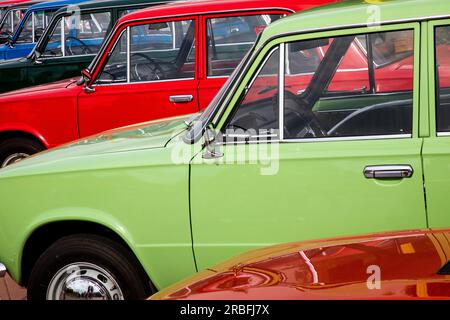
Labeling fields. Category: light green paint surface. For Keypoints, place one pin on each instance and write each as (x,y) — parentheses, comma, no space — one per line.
(129,181)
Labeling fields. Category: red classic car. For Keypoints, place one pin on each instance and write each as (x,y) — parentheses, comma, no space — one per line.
(158,62)
(402,265)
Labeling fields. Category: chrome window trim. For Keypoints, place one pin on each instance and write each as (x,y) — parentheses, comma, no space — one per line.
(281,72)
(443,134)
(32,27)
(217,77)
(63,37)
(141,82)
(66,57)
(128,55)
(330,139)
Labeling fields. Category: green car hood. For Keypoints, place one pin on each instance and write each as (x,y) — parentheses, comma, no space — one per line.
(97,151)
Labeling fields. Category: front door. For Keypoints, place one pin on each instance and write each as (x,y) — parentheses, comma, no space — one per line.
(150,74)
(334,155)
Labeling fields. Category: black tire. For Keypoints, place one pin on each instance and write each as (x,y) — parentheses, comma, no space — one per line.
(18,146)
(99,251)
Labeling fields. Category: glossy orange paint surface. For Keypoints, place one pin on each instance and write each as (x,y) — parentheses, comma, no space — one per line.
(383,266)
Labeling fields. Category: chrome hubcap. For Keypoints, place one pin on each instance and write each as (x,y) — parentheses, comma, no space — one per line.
(83,281)
(15,157)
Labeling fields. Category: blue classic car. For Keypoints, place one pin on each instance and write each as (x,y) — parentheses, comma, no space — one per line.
(31,27)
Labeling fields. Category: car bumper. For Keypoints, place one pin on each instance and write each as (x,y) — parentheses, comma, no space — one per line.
(2,270)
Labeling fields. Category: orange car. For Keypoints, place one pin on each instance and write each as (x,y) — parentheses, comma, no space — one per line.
(403,265)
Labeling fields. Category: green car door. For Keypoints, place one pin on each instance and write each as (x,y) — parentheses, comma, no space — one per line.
(436,150)
(336,153)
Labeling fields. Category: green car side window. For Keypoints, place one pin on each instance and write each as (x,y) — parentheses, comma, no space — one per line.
(442,50)
(355,90)
(348,86)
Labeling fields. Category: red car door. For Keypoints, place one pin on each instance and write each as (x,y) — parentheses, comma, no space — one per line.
(227,39)
(150,73)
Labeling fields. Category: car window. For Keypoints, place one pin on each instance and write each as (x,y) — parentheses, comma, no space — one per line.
(34,26)
(387,47)
(83,34)
(257,115)
(442,52)
(115,69)
(333,88)
(229,38)
(158,51)
(11,21)
(162,51)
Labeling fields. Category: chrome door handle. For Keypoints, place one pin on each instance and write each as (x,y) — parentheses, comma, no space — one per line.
(388,172)
(183,98)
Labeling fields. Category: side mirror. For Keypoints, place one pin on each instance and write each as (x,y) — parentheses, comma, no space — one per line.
(210,145)
(86,79)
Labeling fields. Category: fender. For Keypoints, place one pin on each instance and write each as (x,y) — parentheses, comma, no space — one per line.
(24,128)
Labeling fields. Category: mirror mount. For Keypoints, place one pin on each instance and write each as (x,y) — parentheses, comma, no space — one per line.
(210,145)
(85,80)
(10,42)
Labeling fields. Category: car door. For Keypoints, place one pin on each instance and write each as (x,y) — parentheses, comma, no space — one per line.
(436,149)
(322,159)
(82,37)
(227,39)
(150,74)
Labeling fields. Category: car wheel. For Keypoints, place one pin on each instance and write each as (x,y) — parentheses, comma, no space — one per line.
(16,149)
(87,267)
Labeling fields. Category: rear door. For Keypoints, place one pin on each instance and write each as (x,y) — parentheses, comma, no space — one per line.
(436,150)
(150,73)
(226,40)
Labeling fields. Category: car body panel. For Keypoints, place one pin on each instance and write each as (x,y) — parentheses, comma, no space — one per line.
(405,264)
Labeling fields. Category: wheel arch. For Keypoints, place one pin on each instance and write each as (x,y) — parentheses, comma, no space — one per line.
(46,234)
(23,133)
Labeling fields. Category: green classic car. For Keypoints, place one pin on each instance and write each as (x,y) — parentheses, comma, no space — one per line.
(336,123)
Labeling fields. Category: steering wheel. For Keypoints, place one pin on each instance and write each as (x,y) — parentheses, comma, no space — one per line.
(86,48)
(38,32)
(306,121)
(156,72)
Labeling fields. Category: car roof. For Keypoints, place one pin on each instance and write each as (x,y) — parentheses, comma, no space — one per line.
(356,13)
(11,2)
(208,6)
(54,4)
(97,4)
(24,4)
